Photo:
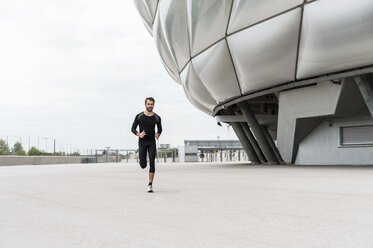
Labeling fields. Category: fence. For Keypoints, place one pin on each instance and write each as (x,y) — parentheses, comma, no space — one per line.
(131,155)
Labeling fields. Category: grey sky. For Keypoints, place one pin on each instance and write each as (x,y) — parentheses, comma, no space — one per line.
(78,71)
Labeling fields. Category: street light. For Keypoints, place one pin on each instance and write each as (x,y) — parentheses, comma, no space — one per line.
(107,152)
(46,145)
(63,147)
(54,145)
(20,139)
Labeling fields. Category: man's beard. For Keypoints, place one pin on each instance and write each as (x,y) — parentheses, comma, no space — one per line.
(150,109)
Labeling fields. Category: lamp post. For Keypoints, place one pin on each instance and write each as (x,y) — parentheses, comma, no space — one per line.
(46,145)
(20,140)
(63,148)
(107,152)
(54,145)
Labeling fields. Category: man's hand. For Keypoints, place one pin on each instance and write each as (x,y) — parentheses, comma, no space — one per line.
(157,136)
(142,134)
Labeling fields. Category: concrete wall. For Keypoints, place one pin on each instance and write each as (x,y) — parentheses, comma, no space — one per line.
(36,160)
(103,159)
(312,101)
(322,146)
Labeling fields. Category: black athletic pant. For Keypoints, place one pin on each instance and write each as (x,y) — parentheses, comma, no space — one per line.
(146,146)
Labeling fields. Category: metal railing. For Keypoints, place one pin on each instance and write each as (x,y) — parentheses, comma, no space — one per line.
(130,155)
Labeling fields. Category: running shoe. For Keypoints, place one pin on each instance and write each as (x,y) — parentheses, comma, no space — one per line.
(150,189)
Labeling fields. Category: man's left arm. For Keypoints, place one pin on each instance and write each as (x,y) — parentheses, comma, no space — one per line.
(159,128)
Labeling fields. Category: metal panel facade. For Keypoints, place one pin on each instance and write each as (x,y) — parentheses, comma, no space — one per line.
(269,42)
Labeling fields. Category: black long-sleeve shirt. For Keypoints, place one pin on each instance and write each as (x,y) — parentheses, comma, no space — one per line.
(147,123)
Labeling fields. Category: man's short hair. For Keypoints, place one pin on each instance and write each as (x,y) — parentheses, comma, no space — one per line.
(150,99)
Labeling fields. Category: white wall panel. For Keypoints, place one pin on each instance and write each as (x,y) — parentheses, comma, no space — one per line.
(215,69)
(152,7)
(249,12)
(173,75)
(195,88)
(147,9)
(173,17)
(184,78)
(164,50)
(265,54)
(208,20)
(336,35)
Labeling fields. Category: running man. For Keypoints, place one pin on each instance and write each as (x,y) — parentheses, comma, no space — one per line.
(147,121)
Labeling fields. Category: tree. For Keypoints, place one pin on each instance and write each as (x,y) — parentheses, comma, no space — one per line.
(34,152)
(4,148)
(18,149)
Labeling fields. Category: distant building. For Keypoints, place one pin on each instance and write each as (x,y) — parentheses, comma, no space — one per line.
(164,146)
(212,151)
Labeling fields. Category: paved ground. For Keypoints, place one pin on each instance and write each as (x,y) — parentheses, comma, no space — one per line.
(194,205)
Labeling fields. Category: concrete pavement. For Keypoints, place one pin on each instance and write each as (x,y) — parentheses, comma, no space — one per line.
(194,205)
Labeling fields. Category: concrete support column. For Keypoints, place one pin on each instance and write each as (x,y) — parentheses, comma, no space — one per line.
(253,142)
(272,144)
(258,132)
(365,83)
(245,142)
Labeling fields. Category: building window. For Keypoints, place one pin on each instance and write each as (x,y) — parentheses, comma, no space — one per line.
(357,135)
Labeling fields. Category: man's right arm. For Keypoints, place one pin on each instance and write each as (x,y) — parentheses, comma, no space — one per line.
(134,126)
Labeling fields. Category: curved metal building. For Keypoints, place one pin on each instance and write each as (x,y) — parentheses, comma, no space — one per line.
(295,71)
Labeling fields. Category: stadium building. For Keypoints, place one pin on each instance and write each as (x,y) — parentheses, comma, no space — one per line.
(292,77)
